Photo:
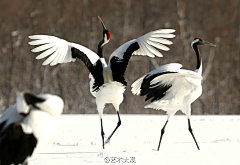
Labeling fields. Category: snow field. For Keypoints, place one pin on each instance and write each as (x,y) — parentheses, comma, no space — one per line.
(135,142)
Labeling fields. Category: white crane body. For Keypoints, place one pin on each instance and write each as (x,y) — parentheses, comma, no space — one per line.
(171,88)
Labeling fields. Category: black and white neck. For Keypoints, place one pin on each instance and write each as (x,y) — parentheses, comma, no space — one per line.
(100,49)
(194,44)
(105,40)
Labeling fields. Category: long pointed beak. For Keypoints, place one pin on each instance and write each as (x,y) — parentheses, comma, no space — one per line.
(104,27)
(208,43)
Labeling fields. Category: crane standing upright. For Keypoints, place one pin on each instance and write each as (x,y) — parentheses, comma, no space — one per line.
(171,88)
(107,82)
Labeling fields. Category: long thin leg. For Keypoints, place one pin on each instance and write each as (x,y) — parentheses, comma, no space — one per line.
(102,133)
(190,130)
(162,132)
(118,124)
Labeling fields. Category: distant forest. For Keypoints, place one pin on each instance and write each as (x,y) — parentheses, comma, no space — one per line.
(76,21)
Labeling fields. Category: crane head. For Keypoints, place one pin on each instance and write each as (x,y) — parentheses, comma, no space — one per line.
(199,41)
(106,33)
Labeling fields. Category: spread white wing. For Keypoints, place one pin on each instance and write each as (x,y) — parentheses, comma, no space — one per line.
(148,44)
(60,51)
(145,45)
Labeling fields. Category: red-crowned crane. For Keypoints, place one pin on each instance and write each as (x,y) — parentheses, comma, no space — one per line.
(28,127)
(171,88)
(107,82)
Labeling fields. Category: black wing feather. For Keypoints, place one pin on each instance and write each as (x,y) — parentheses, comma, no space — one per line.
(15,145)
(95,69)
(118,66)
(76,53)
(2,125)
(154,91)
(32,99)
(97,73)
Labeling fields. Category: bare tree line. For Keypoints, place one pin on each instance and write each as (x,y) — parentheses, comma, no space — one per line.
(76,21)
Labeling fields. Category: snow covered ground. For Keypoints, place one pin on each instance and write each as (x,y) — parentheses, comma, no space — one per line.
(135,142)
